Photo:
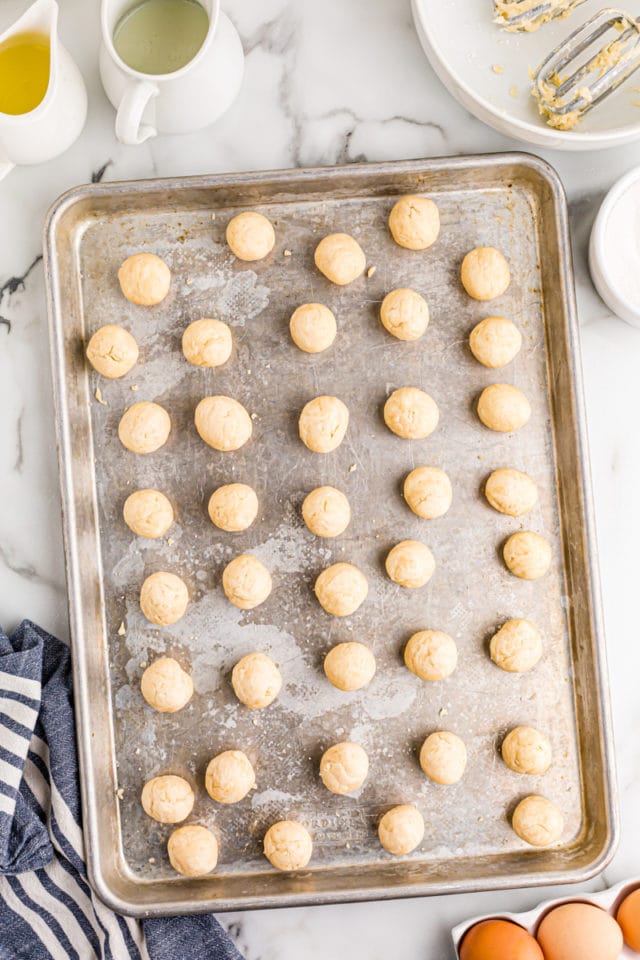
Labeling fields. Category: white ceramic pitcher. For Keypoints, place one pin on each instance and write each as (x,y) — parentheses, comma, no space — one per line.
(51,127)
(178,102)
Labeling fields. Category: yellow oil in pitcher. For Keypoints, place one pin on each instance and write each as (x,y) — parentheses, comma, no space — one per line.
(25,62)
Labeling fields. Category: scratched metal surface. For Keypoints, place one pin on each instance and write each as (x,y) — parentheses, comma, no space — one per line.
(469,596)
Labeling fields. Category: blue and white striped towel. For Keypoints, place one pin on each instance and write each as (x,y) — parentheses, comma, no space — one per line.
(47,909)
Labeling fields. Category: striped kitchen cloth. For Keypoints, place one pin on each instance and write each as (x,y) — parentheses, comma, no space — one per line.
(47,908)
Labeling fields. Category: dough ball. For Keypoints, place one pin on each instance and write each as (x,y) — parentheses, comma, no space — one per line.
(246,582)
(511,491)
(144,279)
(167,799)
(256,681)
(428,492)
(516,647)
(223,423)
(405,314)
(414,222)
(344,768)
(411,413)
(526,750)
(431,655)
(233,507)
(350,666)
(144,427)
(503,408)
(410,564)
(495,341)
(166,686)
(229,777)
(323,424)
(148,513)
(527,555)
(163,598)
(326,512)
(401,829)
(207,343)
(193,850)
(537,821)
(485,273)
(340,258)
(288,845)
(112,351)
(341,589)
(313,327)
(443,757)
(250,236)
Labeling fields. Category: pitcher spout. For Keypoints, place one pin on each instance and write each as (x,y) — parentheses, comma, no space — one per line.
(41,18)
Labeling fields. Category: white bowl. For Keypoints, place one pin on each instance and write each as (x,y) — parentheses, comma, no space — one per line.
(599,262)
(463,44)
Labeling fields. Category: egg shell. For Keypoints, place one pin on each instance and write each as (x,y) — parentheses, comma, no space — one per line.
(499,940)
(579,931)
(628,916)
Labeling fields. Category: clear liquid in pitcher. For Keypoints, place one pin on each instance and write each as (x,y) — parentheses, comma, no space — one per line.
(160,36)
(25,62)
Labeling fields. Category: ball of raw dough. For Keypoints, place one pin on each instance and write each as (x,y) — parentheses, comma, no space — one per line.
(511,491)
(350,666)
(313,327)
(167,799)
(144,279)
(323,424)
(411,413)
(233,507)
(250,236)
(527,750)
(495,341)
(193,850)
(443,757)
(229,777)
(340,258)
(431,655)
(537,821)
(410,564)
(326,512)
(344,768)
(144,427)
(207,343)
(527,555)
(414,222)
(516,647)
(166,686)
(112,351)
(503,408)
(341,589)
(401,829)
(428,492)
(485,273)
(405,314)
(163,598)
(223,423)
(148,513)
(246,582)
(288,845)
(256,681)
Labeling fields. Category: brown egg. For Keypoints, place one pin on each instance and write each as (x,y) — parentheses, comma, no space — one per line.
(579,931)
(499,940)
(628,916)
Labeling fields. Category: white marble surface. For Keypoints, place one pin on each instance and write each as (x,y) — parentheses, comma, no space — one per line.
(325,82)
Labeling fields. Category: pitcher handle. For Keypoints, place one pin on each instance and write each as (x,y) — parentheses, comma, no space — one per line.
(129,127)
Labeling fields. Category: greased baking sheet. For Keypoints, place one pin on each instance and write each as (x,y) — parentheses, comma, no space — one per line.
(514,202)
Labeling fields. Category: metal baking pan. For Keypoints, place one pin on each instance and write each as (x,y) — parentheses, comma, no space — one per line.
(512,201)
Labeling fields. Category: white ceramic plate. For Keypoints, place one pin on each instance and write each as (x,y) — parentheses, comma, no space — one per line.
(463,45)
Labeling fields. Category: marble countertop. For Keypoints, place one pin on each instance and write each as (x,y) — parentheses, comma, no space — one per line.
(373,98)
